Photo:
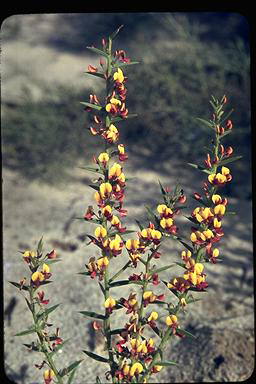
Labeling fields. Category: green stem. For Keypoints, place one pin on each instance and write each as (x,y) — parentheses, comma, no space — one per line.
(157,354)
(41,339)
(107,328)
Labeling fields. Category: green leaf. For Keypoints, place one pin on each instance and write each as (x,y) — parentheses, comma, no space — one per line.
(70,368)
(162,188)
(157,331)
(94,315)
(90,105)
(30,306)
(117,331)
(165,363)
(200,253)
(92,169)
(45,282)
(122,233)
(84,273)
(40,246)
(100,75)
(102,288)
(190,300)
(139,225)
(31,329)
(185,244)
(162,268)
(180,264)
(98,51)
(113,35)
(152,216)
(96,187)
(47,311)
(96,357)
(52,261)
(120,283)
(229,160)
(71,376)
(117,119)
(17,285)
(225,133)
(187,333)
(200,168)
(226,116)
(205,123)
(119,65)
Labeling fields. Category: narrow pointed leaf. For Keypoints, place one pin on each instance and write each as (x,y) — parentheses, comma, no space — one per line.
(166,363)
(117,119)
(17,285)
(70,368)
(30,306)
(119,283)
(185,244)
(52,261)
(180,264)
(40,246)
(162,188)
(114,34)
(84,273)
(117,331)
(96,187)
(99,51)
(205,123)
(71,376)
(162,268)
(100,75)
(27,331)
(96,357)
(230,160)
(91,169)
(139,225)
(102,288)
(90,105)
(187,333)
(200,168)
(119,65)
(157,331)
(47,311)
(226,133)
(93,315)
(226,116)
(152,216)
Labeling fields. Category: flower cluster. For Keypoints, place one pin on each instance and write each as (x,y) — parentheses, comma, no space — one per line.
(48,342)
(133,355)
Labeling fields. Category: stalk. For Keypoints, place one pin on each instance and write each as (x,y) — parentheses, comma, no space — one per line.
(41,339)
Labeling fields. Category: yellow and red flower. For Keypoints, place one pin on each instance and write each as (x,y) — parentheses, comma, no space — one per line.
(48,376)
(220,178)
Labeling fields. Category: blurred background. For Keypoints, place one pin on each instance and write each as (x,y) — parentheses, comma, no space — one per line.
(184,59)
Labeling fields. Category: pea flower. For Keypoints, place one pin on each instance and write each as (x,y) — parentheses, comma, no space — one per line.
(48,376)
(136,369)
(119,76)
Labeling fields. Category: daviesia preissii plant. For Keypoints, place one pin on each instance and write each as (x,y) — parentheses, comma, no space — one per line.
(135,351)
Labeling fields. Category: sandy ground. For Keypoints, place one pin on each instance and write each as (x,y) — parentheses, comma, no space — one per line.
(223,321)
(32,210)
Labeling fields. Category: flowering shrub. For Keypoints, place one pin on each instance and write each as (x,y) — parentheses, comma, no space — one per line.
(131,356)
